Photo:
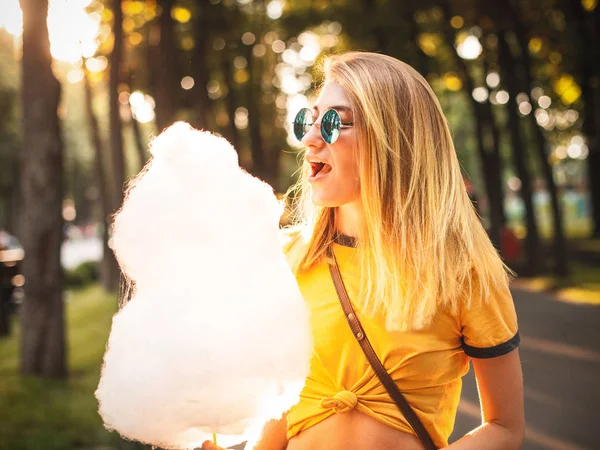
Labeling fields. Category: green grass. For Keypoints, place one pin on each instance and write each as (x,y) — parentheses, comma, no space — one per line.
(581,286)
(41,414)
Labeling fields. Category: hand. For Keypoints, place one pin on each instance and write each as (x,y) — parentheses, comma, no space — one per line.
(208,445)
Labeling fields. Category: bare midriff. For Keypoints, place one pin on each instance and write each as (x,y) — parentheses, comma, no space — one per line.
(353,431)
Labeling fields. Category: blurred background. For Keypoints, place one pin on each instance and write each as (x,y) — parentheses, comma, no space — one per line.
(86,84)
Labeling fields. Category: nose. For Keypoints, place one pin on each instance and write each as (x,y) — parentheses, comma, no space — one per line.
(313,138)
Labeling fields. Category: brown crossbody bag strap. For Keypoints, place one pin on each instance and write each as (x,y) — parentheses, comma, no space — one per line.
(380,371)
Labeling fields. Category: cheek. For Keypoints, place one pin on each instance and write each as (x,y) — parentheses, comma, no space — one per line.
(349,166)
(347,176)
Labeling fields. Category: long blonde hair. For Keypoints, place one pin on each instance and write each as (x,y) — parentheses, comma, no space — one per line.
(422,246)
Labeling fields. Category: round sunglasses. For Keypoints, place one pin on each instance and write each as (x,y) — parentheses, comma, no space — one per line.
(330,125)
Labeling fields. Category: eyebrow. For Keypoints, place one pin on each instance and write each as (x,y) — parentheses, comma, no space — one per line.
(336,107)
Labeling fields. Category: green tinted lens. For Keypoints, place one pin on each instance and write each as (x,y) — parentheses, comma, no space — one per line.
(330,126)
(302,123)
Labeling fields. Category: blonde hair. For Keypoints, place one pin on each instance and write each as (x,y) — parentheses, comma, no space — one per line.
(422,245)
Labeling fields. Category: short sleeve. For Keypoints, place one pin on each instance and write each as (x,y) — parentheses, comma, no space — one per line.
(490,328)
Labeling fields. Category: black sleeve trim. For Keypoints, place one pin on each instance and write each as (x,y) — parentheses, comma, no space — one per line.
(492,352)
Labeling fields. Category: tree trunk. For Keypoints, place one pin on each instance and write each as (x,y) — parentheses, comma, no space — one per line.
(490,160)
(43,350)
(76,184)
(9,159)
(140,143)
(260,166)
(495,161)
(590,70)
(201,70)
(116,125)
(165,64)
(559,240)
(421,59)
(381,39)
(109,268)
(230,99)
(532,240)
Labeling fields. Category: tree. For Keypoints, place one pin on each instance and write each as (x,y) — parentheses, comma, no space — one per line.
(10,135)
(532,240)
(559,238)
(200,67)
(9,160)
(165,68)
(231,101)
(43,349)
(140,145)
(590,74)
(116,133)
(109,269)
(116,126)
(491,162)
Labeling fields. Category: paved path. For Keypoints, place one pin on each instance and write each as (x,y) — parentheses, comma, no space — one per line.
(560,353)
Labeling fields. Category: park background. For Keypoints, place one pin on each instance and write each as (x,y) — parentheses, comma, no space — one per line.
(85,84)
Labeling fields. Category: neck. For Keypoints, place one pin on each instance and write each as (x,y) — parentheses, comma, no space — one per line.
(349,218)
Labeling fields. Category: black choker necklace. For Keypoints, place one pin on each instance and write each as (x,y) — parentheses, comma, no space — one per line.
(346,241)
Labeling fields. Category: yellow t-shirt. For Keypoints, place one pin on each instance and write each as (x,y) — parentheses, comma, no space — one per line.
(427,365)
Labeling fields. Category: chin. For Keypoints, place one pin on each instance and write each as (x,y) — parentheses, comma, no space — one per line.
(327,201)
(320,200)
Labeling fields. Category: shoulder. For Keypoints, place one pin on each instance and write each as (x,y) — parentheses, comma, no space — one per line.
(488,319)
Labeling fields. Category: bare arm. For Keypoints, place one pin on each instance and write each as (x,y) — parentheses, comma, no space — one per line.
(500,384)
(273,437)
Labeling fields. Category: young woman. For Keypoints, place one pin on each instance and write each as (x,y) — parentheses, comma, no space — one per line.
(383,198)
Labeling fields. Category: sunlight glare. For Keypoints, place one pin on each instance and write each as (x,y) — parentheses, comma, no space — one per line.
(68,43)
(73,32)
(311,47)
(290,84)
(470,48)
(11,18)
(75,76)
(142,107)
(97,64)
(274,9)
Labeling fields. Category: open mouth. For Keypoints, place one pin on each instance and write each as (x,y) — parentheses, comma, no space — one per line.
(319,168)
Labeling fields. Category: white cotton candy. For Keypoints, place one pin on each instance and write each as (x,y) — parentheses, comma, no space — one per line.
(216,337)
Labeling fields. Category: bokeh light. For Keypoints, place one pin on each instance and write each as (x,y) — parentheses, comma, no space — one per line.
(469,48)
(275,9)
(241,118)
(67,43)
(480,94)
(248,38)
(187,83)
(492,79)
(525,108)
(502,97)
(142,106)
(544,101)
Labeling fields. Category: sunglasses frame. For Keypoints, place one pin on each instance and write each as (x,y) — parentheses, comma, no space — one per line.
(332,121)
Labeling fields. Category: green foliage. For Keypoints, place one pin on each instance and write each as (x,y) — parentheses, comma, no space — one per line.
(83,275)
(57,415)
